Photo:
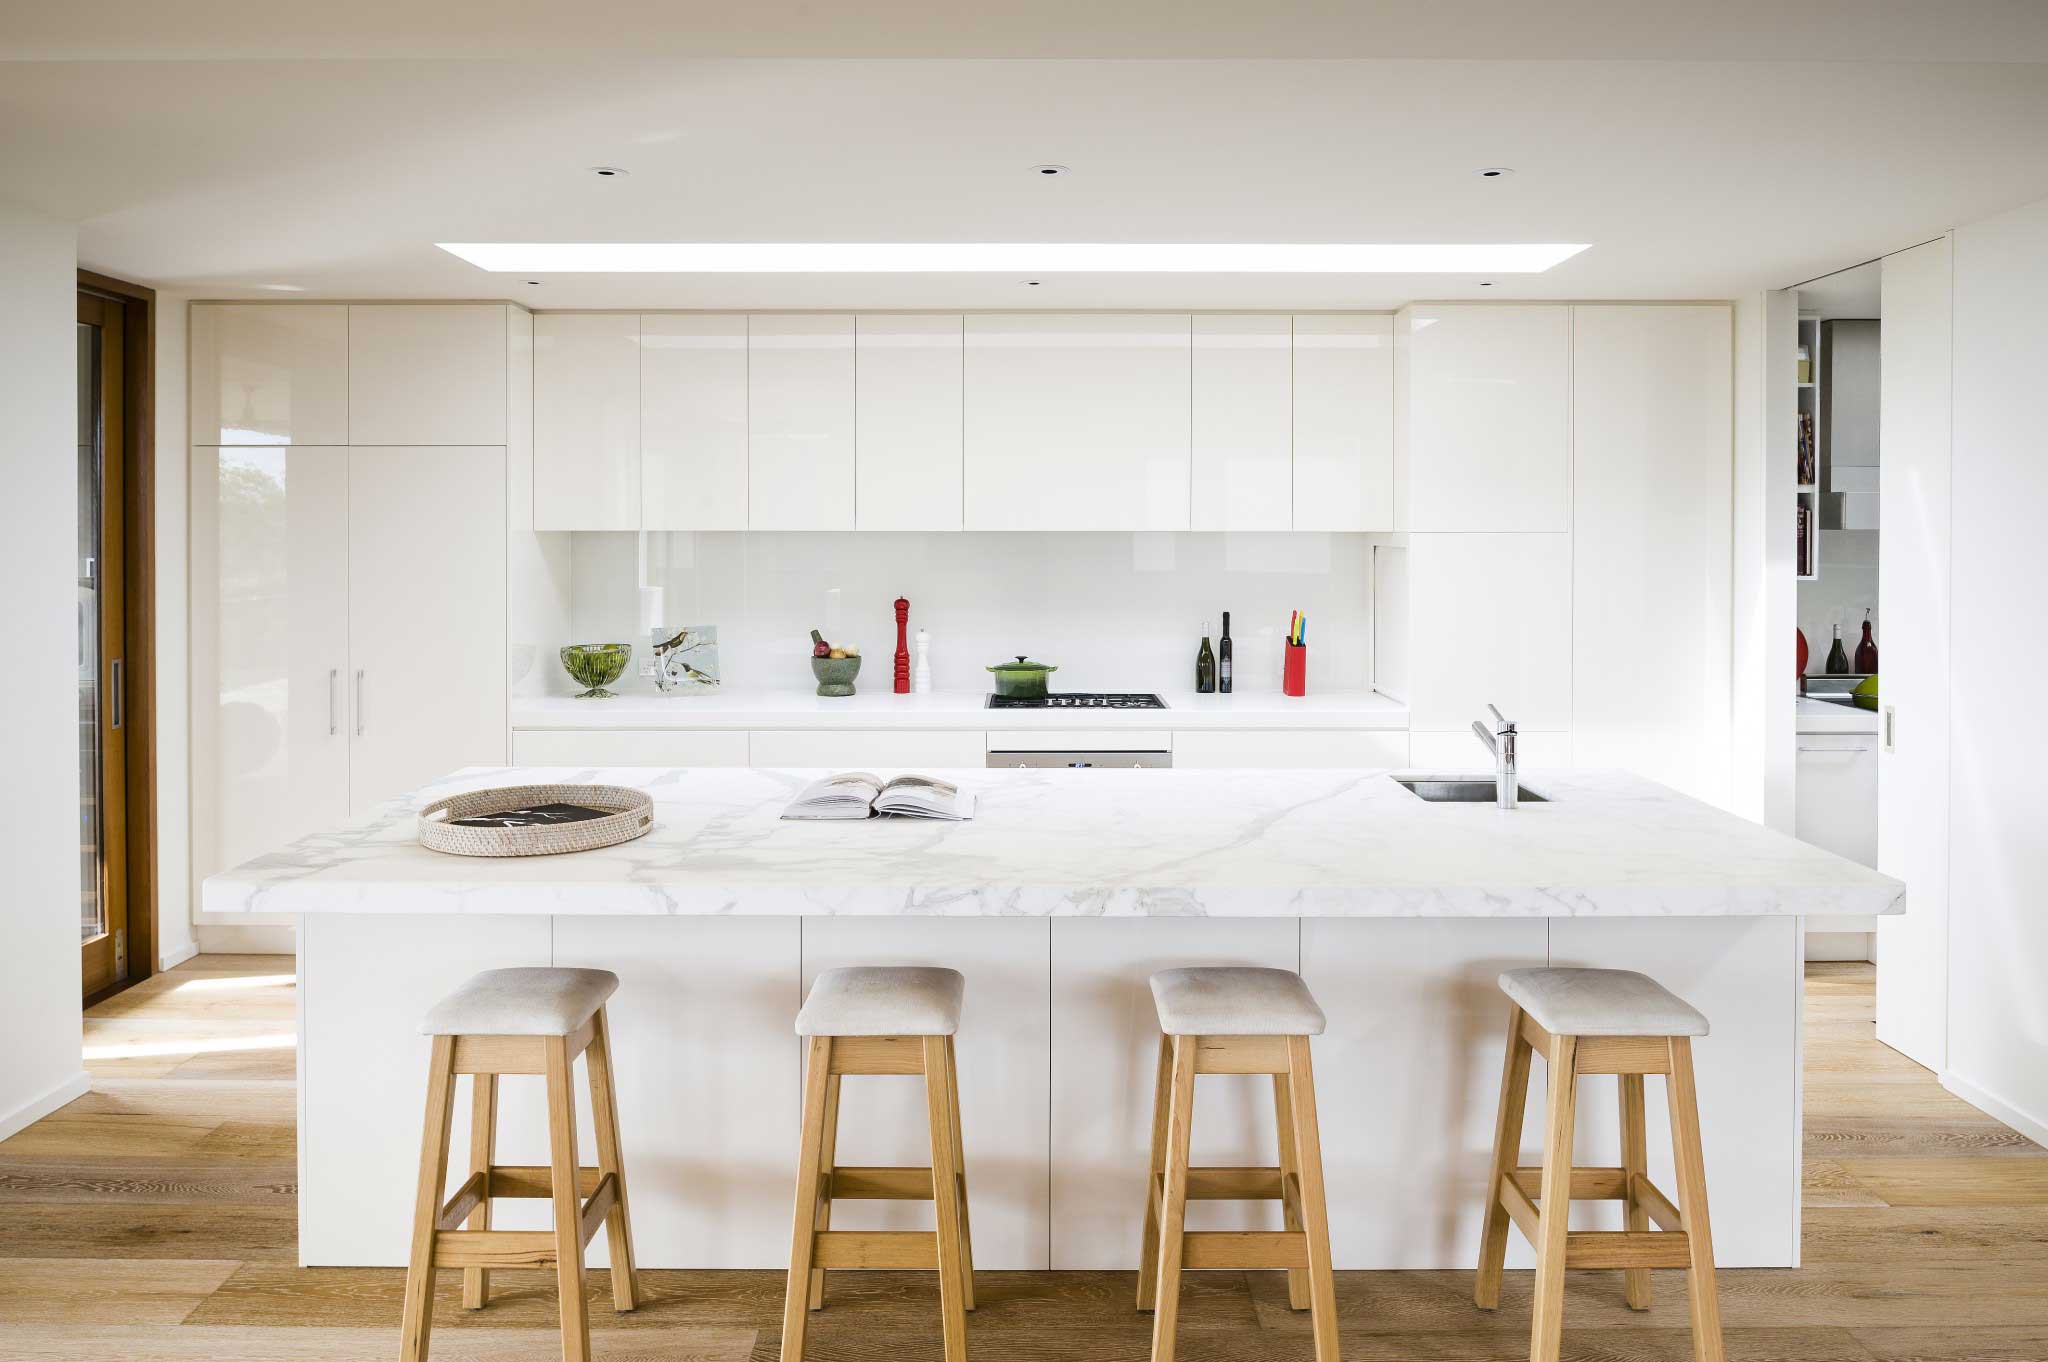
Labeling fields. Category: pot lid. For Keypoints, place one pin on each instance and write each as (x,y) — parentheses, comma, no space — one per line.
(1024,666)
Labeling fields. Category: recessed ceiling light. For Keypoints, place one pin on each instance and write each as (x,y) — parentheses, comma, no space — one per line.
(1486,283)
(1496,172)
(1025,259)
(533,283)
(608,172)
(1049,170)
(285,288)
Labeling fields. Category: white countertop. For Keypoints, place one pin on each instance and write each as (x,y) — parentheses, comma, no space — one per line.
(1825,716)
(953,710)
(1253,843)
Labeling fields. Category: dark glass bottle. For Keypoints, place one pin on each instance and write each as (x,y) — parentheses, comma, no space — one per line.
(1838,661)
(1205,669)
(1223,656)
(1866,651)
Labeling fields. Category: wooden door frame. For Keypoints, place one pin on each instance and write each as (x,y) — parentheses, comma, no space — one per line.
(138,571)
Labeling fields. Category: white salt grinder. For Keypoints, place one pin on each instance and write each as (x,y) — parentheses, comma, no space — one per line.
(921,672)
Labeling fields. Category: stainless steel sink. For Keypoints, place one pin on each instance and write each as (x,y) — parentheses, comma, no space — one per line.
(1462,791)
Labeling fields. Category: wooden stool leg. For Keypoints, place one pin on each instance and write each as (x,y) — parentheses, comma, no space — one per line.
(604,1111)
(796,1298)
(483,1147)
(564,1174)
(1634,1163)
(1315,1215)
(1692,1203)
(1173,1207)
(1148,1246)
(828,1152)
(1554,1211)
(418,1323)
(938,1088)
(960,1165)
(1290,1186)
(1507,1155)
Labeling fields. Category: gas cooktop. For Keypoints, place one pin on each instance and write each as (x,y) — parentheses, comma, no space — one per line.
(1080,699)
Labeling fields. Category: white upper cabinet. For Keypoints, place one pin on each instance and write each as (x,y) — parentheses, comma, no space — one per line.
(693,422)
(426,374)
(586,421)
(1242,463)
(908,422)
(269,374)
(1343,423)
(1653,452)
(800,423)
(1486,395)
(1078,422)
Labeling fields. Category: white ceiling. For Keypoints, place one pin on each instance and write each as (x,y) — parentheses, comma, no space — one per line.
(1799,139)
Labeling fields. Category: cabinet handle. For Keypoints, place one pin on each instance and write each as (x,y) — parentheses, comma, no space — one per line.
(333,701)
(1891,737)
(359,702)
(1835,751)
(116,687)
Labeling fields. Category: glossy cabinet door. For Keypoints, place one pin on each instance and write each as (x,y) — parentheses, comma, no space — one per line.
(800,424)
(426,374)
(1343,422)
(586,421)
(269,374)
(1490,622)
(693,422)
(907,422)
(1653,453)
(1242,466)
(426,615)
(270,648)
(1486,397)
(1078,422)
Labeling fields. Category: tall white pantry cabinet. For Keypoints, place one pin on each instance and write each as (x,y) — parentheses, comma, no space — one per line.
(348,488)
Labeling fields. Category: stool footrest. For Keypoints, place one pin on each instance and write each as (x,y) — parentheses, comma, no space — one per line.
(494,1248)
(874,1250)
(515,1180)
(1222,1250)
(849,1183)
(601,1204)
(1588,1184)
(1627,1248)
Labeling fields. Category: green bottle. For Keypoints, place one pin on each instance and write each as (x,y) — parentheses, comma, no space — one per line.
(1205,668)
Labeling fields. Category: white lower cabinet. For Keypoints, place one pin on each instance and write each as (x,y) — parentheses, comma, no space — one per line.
(628,747)
(1836,806)
(1215,749)
(865,747)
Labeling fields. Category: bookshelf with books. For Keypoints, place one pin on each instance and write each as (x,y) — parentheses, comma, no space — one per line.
(1807,520)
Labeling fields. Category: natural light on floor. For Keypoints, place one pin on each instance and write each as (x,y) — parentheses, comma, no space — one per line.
(283,1040)
(252,981)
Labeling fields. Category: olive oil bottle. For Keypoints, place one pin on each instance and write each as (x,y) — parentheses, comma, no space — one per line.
(1205,667)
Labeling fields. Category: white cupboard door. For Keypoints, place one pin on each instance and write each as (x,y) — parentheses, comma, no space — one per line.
(1343,423)
(875,749)
(426,615)
(693,422)
(586,421)
(1837,794)
(1242,463)
(908,423)
(800,423)
(1490,622)
(1488,417)
(269,641)
(1653,450)
(269,374)
(1078,422)
(426,374)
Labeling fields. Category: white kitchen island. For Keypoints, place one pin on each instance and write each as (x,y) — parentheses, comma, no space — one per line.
(1057,901)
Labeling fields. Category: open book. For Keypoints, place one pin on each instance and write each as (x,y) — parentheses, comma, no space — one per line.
(856,794)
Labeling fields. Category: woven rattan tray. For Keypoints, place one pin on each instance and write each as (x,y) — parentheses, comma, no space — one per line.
(628,814)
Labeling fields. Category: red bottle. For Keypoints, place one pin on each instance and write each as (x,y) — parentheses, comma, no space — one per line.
(1866,651)
(902,647)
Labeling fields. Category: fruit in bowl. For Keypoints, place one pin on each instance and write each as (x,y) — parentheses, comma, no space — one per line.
(835,666)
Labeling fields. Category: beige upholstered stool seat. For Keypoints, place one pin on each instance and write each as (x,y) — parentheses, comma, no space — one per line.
(883,1000)
(533,1001)
(1235,1000)
(1601,1002)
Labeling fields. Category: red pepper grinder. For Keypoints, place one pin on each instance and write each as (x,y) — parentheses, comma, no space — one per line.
(902,646)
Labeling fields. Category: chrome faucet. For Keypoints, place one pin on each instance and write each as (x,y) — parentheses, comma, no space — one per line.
(1500,740)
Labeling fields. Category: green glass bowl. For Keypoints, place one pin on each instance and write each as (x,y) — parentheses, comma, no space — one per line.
(594,666)
(835,674)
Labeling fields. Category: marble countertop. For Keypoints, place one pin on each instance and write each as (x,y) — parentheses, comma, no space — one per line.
(1825,716)
(953,710)
(1249,843)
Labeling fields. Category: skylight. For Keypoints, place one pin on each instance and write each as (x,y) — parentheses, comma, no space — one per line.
(1030,258)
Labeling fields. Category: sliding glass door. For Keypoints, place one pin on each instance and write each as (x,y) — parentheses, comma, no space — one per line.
(102,698)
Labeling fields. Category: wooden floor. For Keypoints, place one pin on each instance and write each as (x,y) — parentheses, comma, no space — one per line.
(153,1221)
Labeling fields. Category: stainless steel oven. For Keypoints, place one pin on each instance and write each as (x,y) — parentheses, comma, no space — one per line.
(1082,759)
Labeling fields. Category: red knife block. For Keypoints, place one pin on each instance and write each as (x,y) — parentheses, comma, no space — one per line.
(1294,673)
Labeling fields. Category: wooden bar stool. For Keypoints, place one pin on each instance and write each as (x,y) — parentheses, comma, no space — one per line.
(519,1021)
(1599,1021)
(880,1020)
(1236,1020)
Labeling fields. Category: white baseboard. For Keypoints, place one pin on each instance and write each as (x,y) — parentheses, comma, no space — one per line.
(178,955)
(1840,945)
(2032,1127)
(27,1114)
(246,940)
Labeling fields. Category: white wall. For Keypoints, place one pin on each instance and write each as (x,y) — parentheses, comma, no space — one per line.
(1763,604)
(1998,887)
(1113,611)
(175,940)
(40,1061)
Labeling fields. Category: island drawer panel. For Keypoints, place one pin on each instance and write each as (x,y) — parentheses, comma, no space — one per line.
(628,747)
(1298,748)
(886,747)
